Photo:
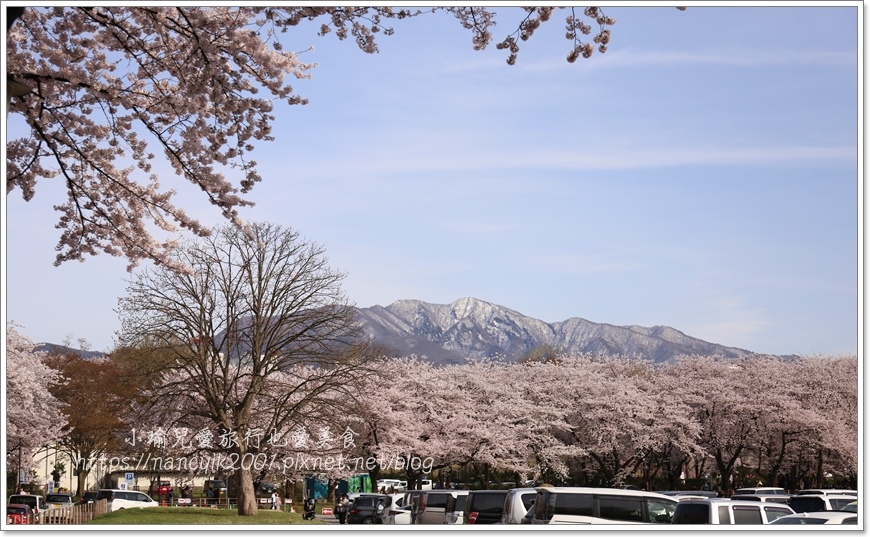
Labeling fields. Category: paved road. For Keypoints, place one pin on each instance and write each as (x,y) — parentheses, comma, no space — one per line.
(326,519)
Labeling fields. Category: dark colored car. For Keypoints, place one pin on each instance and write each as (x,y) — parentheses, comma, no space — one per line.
(484,506)
(368,509)
(264,488)
(105,494)
(89,496)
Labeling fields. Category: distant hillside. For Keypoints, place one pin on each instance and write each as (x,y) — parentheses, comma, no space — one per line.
(471,328)
(52,347)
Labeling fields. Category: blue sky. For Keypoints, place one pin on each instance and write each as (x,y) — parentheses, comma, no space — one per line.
(702,174)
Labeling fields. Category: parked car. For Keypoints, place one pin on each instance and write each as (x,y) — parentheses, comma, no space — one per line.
(432,506)
(216,485)
(369,509)
(776,498)
(19,513)
(399,514)
(585,505)
(835,492)
(60,499)
(693,493)
(809,503)
(264,489)
(411,498)
(391,486)
(454,512)
(37,503)
(824,517)
(517,504)
(117,499)
(484,506)
(88,497)
(54,513)
(163,488)
(725,511)
(761,490)
(851,508)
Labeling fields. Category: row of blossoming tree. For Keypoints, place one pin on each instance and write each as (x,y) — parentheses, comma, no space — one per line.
(607,421)
(574,420)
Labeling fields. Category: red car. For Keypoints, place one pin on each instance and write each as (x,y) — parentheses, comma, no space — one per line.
(19,513)
(163,488)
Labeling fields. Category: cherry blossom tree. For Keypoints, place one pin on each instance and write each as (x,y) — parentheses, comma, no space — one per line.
(825,389)
(723,397)
(34,416)
(258,328)
(105,89)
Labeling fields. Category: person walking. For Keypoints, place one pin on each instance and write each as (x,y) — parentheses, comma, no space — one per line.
(341,507)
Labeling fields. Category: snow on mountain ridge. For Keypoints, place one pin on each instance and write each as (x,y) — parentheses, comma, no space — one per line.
(473,328)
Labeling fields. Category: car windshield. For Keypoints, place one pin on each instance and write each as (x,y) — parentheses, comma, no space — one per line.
(16,510)
(26,500)
(489,502)
(852,507)
(58,498)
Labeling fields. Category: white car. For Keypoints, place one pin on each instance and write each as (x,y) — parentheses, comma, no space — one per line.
(584,505)
(725,511)
(760,490)
(125,499)
(399,515)
(59,499)
(389,486)
(827,492)
(824,517)
(776,498)
(517,504)
(813,503)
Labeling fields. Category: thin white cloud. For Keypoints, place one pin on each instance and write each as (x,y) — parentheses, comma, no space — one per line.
(629,57)
(580,160)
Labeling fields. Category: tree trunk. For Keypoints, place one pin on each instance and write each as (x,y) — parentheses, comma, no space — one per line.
(820,471)
(247,498)
(81,480)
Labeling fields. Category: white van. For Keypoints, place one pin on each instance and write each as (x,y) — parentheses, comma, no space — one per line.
(389,485)
(725,511)
(827,492)
(776,498)
(584,505)
(125,499)
(760,490)
(454,512)
(432,507)
(810,503)
(517,504)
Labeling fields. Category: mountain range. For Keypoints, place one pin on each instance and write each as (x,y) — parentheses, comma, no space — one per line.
(472,328)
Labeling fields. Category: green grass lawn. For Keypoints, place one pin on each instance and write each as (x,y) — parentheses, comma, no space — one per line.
(198,515)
